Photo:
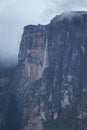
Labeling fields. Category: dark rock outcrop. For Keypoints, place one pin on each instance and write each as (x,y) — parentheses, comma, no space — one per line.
(6,77)
(50,82)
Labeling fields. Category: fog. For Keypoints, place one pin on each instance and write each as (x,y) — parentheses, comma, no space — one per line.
(15,14)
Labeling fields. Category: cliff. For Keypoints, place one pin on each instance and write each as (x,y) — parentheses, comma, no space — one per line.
(50,83)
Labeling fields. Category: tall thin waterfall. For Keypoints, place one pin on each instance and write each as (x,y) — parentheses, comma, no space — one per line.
(45,55)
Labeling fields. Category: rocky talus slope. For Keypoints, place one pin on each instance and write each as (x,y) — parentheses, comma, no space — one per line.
(49,90)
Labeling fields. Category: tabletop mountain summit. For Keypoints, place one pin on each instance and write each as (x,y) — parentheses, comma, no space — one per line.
(48,90)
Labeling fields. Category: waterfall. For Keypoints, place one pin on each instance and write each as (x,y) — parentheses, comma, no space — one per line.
(45,55)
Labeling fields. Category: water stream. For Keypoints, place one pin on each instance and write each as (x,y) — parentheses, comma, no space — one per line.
(45,55)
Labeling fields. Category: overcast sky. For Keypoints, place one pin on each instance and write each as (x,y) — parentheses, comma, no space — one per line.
(15,14)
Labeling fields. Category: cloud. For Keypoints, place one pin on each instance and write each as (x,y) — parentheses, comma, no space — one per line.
(55,7)
(15,14)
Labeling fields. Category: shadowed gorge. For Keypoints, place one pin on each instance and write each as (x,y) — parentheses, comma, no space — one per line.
(13,117)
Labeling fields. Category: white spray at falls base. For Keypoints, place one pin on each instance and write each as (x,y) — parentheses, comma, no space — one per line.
(45,59)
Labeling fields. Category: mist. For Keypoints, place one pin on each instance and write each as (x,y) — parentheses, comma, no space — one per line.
(15,14)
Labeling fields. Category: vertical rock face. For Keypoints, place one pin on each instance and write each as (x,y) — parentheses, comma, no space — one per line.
(52,78)
(33,51)
(50,83)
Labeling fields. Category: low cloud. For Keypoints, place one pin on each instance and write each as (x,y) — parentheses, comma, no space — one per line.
(15,14)
(55,7)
